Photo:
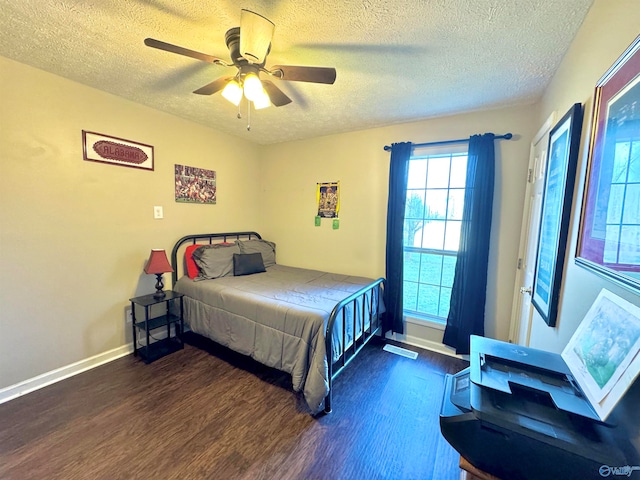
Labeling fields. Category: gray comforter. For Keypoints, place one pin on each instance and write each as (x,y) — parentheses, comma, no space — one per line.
(278,317)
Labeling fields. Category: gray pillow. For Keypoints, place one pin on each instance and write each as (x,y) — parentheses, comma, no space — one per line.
(215,260)
(264,247)
(247,264)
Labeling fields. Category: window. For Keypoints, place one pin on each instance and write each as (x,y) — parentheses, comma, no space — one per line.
(433,217)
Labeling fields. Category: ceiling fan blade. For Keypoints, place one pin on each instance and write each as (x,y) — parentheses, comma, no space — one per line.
(256,32)
(305,74)
(277,96)
(168,47)
(214,86)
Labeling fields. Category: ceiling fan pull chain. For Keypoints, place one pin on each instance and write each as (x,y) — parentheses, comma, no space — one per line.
(248,116)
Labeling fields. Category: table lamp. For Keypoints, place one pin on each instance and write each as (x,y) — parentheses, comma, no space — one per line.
(157,265)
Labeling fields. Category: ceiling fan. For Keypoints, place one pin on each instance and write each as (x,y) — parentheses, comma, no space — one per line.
(249,44)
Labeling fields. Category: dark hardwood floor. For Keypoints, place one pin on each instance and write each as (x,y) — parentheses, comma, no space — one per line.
(205,412)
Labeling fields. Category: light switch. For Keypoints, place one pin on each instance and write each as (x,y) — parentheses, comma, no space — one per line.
(157,212)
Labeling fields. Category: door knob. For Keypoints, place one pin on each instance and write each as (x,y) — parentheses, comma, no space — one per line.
(525,290)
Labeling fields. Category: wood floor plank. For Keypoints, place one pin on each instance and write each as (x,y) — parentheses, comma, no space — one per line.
(205,412)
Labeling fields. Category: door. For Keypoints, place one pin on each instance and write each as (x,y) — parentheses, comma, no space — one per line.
(522,309)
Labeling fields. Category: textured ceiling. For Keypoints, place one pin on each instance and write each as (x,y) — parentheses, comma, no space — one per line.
(396,61)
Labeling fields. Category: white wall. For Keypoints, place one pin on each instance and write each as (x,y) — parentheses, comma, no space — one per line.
(608,30)
(75,235)
(290,172)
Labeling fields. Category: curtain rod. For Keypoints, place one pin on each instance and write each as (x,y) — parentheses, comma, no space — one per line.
(506,136)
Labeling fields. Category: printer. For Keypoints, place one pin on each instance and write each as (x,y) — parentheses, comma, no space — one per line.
(517,413)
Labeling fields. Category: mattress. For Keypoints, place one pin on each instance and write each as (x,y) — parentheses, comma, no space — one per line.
(279,318)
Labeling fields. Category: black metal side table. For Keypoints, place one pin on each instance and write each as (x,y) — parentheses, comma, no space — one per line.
(142,330)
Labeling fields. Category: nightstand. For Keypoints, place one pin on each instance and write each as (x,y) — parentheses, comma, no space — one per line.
(145,328)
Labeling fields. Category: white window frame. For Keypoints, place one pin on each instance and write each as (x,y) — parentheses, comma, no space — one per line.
(412,316)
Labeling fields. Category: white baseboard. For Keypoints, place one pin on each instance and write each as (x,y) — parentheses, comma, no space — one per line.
(48,378)
(35,383)
(426,344)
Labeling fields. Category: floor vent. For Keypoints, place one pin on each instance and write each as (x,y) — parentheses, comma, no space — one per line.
(401,351)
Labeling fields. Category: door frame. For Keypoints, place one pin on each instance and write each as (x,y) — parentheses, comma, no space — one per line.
(525,228)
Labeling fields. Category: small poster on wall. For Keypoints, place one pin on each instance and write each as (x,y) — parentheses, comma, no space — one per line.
(195,185)
(328,198)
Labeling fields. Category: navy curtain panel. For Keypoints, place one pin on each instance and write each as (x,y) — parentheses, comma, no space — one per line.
(398,172)
(469,292)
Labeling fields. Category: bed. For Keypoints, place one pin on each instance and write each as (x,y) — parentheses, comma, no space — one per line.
(307,323)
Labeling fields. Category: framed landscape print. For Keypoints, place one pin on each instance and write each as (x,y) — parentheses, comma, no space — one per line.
(562,158)
(605,374)
(609,235)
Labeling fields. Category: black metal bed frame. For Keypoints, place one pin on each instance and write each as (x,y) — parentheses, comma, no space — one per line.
(366,296)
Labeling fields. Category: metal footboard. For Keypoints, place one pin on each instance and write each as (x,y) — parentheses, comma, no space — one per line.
(370,296)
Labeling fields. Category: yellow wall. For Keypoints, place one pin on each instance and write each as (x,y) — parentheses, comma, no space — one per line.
(610,27)
(75,235)
(359,162)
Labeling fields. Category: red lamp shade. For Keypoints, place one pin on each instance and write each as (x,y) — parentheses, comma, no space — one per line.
(158,263)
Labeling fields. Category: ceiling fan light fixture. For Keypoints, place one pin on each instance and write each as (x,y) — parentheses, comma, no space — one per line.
(233,92)
(263,101)
(249,45)
(253,88)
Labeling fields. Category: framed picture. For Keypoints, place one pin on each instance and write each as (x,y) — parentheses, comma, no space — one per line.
(604,352)
(560,174)
(609,234)
(195,185)
(97,147)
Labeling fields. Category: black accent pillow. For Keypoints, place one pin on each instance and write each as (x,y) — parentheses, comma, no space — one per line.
(247,263)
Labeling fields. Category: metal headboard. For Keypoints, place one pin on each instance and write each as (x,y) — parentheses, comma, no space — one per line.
(210,237)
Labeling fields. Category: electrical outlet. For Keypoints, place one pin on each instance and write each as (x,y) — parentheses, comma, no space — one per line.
(128,317)
(157,212)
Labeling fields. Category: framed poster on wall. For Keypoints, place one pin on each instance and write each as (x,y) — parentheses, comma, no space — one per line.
(609,234)
(195,185)
(97,147)
(562,158)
